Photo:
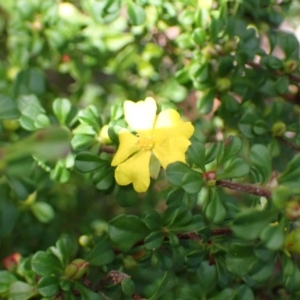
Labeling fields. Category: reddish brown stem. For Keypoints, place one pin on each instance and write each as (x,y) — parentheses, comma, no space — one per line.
(289,143)
(257,66)
(107,149)
(246,188)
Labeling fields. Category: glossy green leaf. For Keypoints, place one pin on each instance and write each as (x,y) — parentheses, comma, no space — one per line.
(20,290)
(239,258)
(136,13)
(249,224)
(259,157)
(87,162)
(43,211)
(180,174)
(101,254)
(48,286)
(166,283)
(62,108)
(125,231)
(238,167)
(213,208)
(45,264)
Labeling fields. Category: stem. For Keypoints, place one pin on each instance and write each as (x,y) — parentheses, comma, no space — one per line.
(289,143)
(107,149)
(257,66)
(245,187)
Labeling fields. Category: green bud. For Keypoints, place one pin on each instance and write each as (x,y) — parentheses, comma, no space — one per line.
(84,240)
(292,241)
(290,66)
(223,84)
(76,269)
(209,52)
(229,46)
(278,129)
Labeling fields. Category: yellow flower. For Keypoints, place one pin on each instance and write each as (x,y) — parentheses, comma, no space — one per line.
(164,137)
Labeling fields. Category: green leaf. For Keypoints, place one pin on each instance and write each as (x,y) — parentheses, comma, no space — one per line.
(291,176)
(199,36)
(103,178)
(62,108)
(260,158)
(207,277)
(205,103)
(6,279)
(238,167)
(271,62)
(90,116)
(101,254)
(43,211)
(44,263)
(152,220)
(65,247)
(244,293)
(165,284)
(196,154)
(249,224)
(154,240)
(87,162)
(213,207)
(21,291)
(125,231)
(232,146)
(239,258)
(128,287)
(126,196)
(260,127)
(48,286)
(136,13)
(282,85)
(8,108)
(87,293)
(179,174)
(30,81)
(273,236)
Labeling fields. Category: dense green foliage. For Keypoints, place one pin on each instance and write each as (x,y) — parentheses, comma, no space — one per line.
(223,226)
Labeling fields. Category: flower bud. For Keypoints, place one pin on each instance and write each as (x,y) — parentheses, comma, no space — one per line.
(278,129)
(10,124)
(76,269)
(223,84)
(209,52)
(292,241)
(290,66)
(292,210)
(10,262)
(229,46)
(103,135)
(84,240)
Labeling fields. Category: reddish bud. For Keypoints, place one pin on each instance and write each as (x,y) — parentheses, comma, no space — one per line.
(10,262)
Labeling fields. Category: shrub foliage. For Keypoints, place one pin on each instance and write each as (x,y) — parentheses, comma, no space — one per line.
(223,225)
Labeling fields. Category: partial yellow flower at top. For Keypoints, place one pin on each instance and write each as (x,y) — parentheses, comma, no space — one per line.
(164,138)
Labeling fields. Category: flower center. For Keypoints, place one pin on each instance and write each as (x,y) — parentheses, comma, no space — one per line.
(145,142)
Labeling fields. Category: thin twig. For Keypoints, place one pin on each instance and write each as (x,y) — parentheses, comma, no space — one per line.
(257,66)
(289,143)
(245,187)
(107,149)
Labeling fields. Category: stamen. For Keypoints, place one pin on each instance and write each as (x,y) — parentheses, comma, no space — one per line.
(145,142)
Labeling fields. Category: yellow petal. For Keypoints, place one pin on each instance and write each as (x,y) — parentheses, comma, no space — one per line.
(171,150)
(169,124)
(140,115)
(128,146)
(135,170)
